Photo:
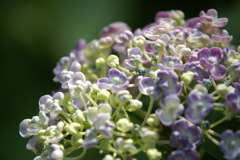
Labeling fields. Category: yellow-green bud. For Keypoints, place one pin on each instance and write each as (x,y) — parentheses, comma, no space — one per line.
(124,125)
(76,140)
(108,157)
(94,90)
(105,145)
(139,41)
(103,95)
(134,105)
(72,128)
(222,89)
(113,61)
(78,116)
(100,62)
(187,77)
(238,48)
(152,120)
(153,154)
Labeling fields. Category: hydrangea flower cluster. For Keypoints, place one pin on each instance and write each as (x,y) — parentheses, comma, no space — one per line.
(162,92)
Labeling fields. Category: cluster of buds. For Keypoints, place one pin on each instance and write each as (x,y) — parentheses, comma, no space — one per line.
(161,92)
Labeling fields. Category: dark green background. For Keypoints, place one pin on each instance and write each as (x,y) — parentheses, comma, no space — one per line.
(36,34)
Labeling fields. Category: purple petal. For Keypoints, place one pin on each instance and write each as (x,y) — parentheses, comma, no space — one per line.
(221,39)
(218,72)
(135,52)
(216,55)
(206,64)
(104,83)
(146,85)
(220,22)
(203,53)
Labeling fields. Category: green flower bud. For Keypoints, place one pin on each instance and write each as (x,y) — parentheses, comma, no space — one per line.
(152,120)
(134,105)
(100,62)
(222,90)
(122,98)
(41,135)
(200,88)
(78,116)
(238,48)
(104,108)
(187,78)
(72,128)
(103,95)
(105,145)
(76,140)
(139,41)
(112,61)
(233,57)
(108,157)
(153,154)
(124,125)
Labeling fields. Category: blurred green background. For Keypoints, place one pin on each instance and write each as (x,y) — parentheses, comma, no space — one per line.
(36,34)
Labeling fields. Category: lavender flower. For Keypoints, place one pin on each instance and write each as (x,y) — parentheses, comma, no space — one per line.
(170,63)
(230,144)
(167,82)
(199,106)
(51,105)
(211,17)
(190,154)
(210,58)
(116,81)
(185,136)
(233,99)
(170,110)
(199,73)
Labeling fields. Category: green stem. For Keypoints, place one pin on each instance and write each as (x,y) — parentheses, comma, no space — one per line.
(212,139)
(90,99)
(139,95)
(78,157)
(219,122)
(214,84)
(123,69)
(230,80)
(146,55)
(83,101)
(66,116)
(212,132)
(148,112)
(162,142)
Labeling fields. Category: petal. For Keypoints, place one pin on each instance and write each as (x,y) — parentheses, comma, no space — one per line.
(135,52)
(203,53)
(220,22)
(218,72)
(23,128)
(146,85)
(215,55)
(104,83)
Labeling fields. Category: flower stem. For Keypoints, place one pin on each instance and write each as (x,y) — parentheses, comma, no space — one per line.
(78,157)
(91,100)
(139,95)
(148,112)
(212,139)
(218,122)
(230,80)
